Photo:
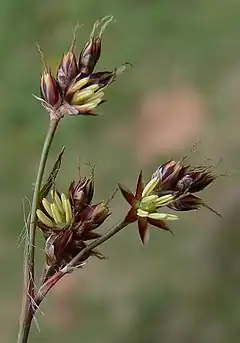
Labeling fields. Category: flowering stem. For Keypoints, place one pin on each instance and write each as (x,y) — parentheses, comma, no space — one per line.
(29,257)
(76,261)
(82,254)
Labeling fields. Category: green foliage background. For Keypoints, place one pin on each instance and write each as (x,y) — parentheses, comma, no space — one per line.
(179,289)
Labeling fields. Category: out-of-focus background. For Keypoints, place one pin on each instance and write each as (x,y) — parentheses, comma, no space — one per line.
(184,87)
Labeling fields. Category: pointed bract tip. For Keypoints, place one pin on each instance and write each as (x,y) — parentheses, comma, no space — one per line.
(127,194)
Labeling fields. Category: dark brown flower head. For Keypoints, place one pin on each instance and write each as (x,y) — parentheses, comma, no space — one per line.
(91,218)
(173,176)
(59,247)
(195,180)
(67,70)
(68,221)
(81,193)
(186,202)
(183,181)
(90,55)
(49,88)
(99,214)
(169,174)
(76,90)
(172,186)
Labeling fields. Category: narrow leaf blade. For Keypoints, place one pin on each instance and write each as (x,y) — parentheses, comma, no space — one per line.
(52,177)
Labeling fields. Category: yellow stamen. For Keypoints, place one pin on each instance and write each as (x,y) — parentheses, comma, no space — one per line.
(44,219)
(47,206)
(160,216)
(97,95)
(63,199)
(142,213)
(149,198)
(81,96)
(157,216)
(164,200)
(68,211)
(172,217)
(94,87)
(89,106)
(67,208)
(57,200)
(56,214)
(150,187)
(77,85)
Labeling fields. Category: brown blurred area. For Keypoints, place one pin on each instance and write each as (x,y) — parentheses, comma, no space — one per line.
(169,122)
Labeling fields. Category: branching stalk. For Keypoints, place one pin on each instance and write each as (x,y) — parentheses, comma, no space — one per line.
(76,261)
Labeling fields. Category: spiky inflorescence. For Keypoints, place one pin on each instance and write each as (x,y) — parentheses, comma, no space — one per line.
(70,220)
(76,89)
(172,185)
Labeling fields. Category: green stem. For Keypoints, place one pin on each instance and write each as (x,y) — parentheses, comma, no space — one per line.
(29,256)
(82,254)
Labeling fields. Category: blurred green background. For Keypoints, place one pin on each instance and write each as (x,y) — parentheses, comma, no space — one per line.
(184,87)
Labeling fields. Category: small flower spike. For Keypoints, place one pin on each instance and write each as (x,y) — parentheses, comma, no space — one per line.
(77,89)
(145,205)
(69,220)
(57,214)
(172,185)
(184,181)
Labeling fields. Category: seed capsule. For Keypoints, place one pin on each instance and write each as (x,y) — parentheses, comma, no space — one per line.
(67,69)
(50,89)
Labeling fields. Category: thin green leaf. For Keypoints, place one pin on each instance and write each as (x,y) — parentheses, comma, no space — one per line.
(52,177)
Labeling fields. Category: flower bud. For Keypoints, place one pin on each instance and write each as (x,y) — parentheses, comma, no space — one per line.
(89,56)
(97,215)
(187,202)
(190,202)
(50,89)
(169,174)
(81,193)
(195,181)
(67,70)
(102,78)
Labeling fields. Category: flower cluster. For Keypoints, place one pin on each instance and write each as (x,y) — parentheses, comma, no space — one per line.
(183,181)
(70,220)
(172,185)
(76,89)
